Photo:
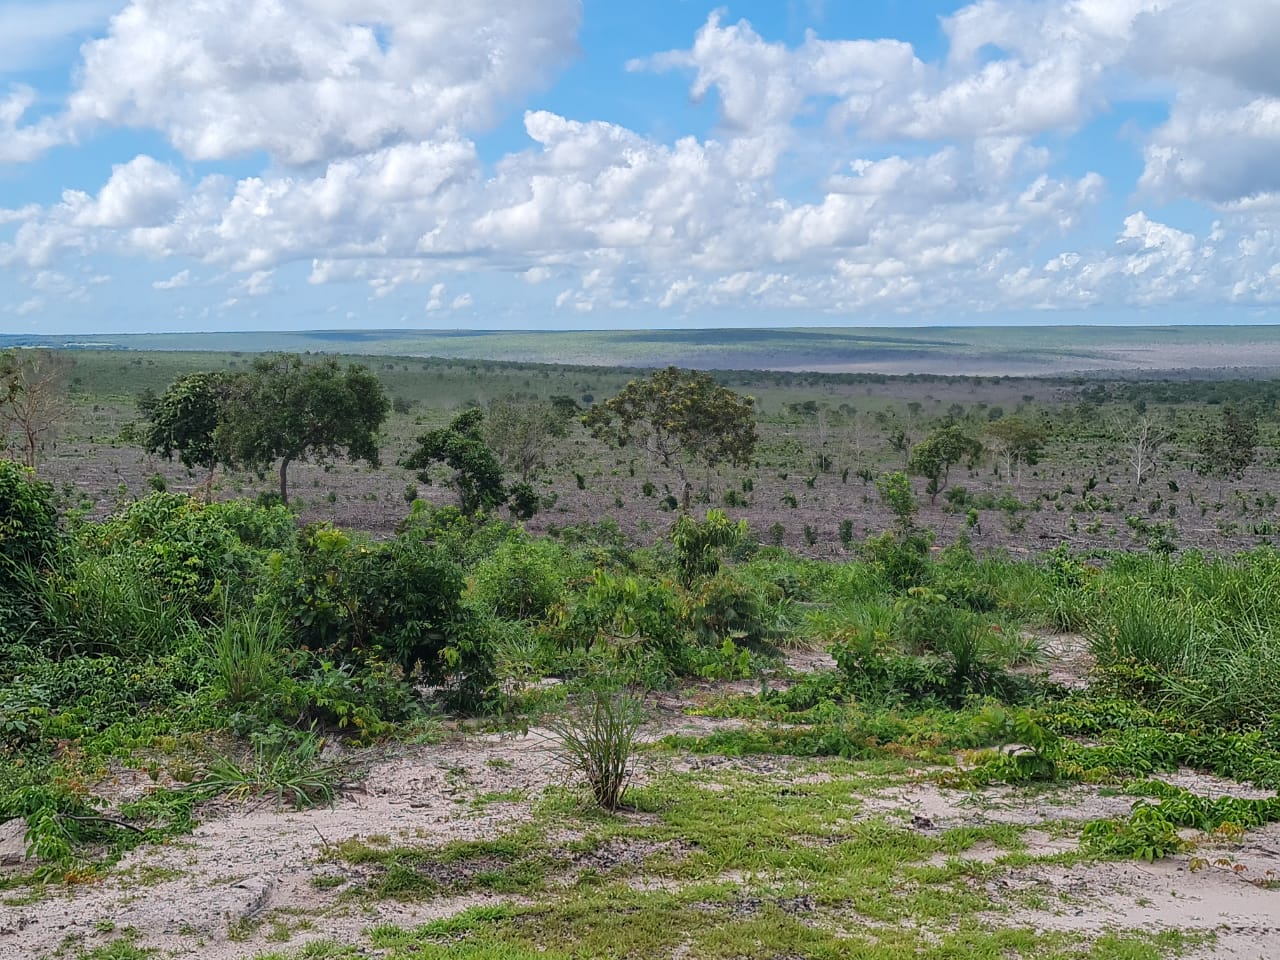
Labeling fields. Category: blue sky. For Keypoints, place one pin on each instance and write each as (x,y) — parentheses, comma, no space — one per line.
(238,164)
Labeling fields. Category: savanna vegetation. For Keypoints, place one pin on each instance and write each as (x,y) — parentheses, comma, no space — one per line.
(217,650)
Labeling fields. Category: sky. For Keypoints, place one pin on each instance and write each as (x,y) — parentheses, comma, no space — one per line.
(589,164)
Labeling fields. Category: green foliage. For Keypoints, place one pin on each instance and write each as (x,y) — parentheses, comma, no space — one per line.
(901,557)
(284,410)
(246,651)
(477,475)
(1227,448)
(28,521)
(935,455)
(29,541)
(700,545)
(679,416)
(354,602)
(521,431)
(190,554)
(1199,633)
(1018,441)
(282,766)
(895,493)
(185,420)
(521,580)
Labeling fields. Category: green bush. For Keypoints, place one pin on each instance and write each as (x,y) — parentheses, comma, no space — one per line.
(901,557)
(354,603)
(195,554)
(726,607)
(28,544)
(701,545)
(28,521)
(521,579)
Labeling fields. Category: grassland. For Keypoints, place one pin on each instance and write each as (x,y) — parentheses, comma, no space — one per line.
(967,351)
(1082,492)
(1038,720)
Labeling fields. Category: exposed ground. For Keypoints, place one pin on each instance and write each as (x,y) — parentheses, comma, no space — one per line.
(879,853)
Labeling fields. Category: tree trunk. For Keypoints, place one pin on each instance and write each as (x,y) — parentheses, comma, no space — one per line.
(284,481)
(208,485)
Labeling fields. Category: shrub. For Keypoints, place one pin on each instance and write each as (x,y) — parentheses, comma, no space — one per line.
(28,523)
(725,607)
(521,579)
(902,558)
(192,551)
(700,545)
(356,602)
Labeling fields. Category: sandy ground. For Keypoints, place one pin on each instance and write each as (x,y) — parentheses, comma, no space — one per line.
(200,897)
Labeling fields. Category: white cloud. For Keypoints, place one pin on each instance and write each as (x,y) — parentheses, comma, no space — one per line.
(31,32)
(140,193)
(311,80)
(436,301)
(29,307)
(257,284)
(23,142)
(845,175)
(176,282)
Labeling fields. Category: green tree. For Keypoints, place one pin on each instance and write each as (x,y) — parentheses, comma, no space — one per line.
(185,420)
(895,493)
(935,455)
(286,410)
(679,417)
(477,474)
(1017,441)
(1228,448)
(521,432)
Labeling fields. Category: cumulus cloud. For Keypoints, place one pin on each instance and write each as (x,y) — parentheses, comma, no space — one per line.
(20,141)
(310,80)
(845,175)
(179,280)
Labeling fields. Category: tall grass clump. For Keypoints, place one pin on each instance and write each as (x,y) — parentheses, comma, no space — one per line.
(598,740)
(245,653)
(1200,634)
(108,605)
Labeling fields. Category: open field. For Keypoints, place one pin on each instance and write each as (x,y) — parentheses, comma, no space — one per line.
(1033,717)
(848,419)
(479,846)
(957,351)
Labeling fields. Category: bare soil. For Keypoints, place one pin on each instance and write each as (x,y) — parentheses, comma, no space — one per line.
(248,877)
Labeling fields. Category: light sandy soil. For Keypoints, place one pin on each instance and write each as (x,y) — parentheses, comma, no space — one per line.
(201,897)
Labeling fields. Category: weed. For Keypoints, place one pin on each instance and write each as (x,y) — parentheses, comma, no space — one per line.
(597,743)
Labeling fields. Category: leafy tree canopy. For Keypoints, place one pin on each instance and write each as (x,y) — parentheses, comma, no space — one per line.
(477,474)
(286,410)
(185,420)
(679,416)
(1228,447)
(935,455)
(520,432)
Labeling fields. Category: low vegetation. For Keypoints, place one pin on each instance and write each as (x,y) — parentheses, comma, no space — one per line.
(229,653)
